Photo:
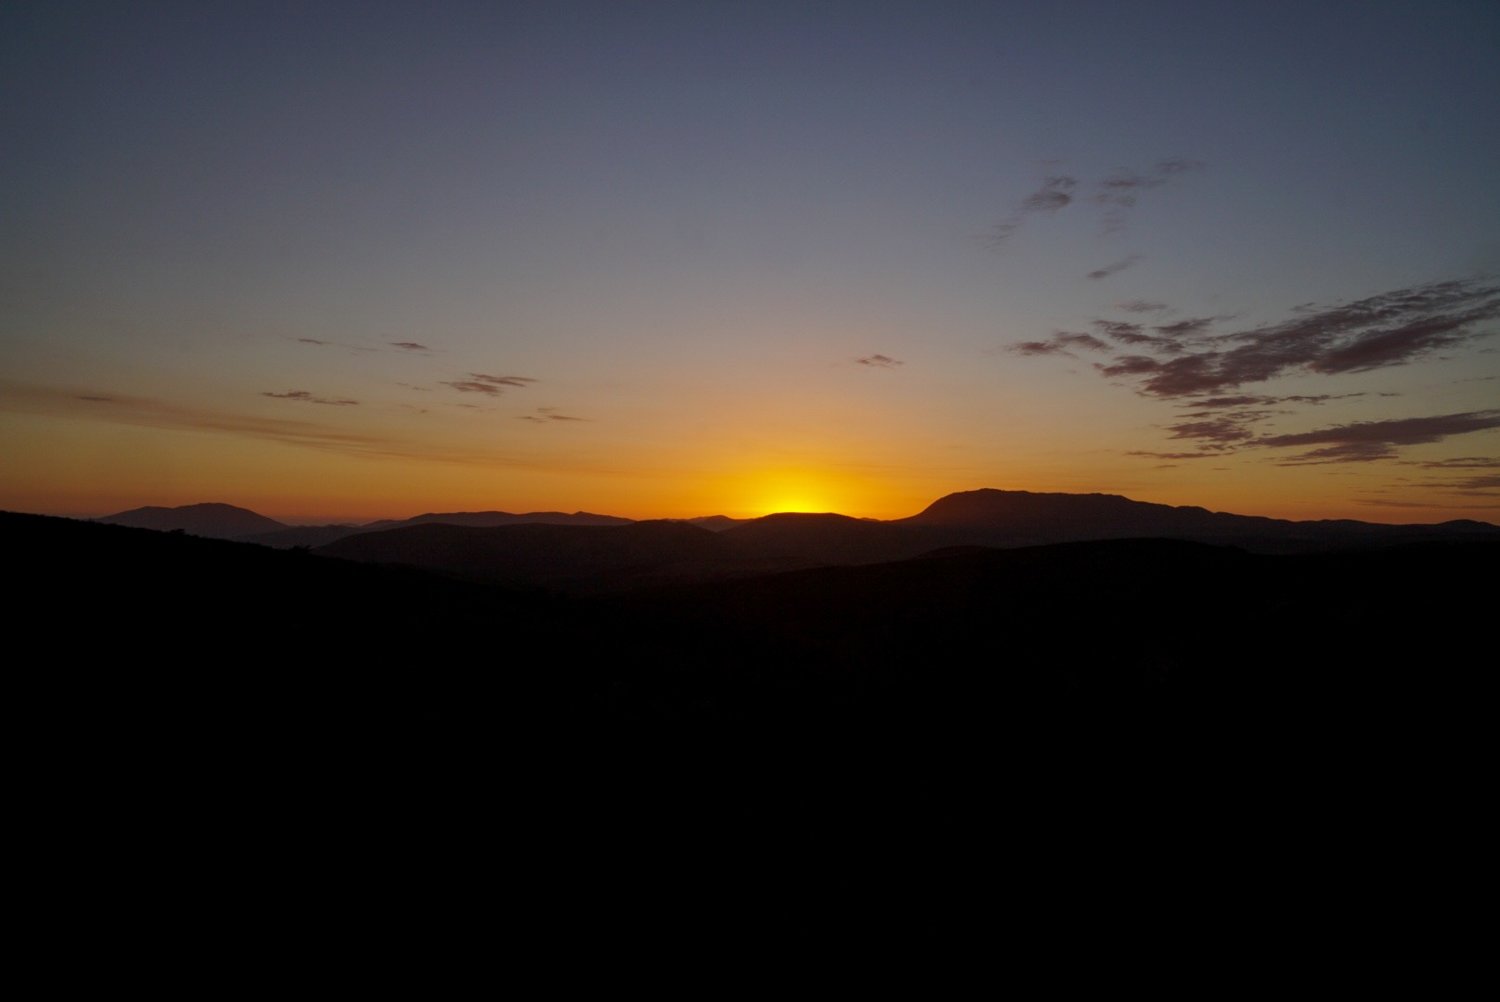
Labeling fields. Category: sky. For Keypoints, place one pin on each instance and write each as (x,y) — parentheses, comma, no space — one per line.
(348,261)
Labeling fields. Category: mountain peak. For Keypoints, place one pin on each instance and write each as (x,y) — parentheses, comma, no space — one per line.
(211,518)
(987,503)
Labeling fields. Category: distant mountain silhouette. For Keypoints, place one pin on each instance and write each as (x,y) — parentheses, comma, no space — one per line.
(223,521)
(322,535)
(624,556)
(492,518)
(718,523)
(780,542)
(216,521)
(1021,518)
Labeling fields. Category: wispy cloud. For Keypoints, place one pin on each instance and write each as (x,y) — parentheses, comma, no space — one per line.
(1221,431)
(1184,328)
(546,415)
(1463,463)
(1116,195)
(1141,306)
(1176,455)
(307,397)
(150,412)
(1393,328)
(1055,193)
(156,413)
(1187,363)
(1134,334)
(502,380)
(409,346)
(1255,400)
(1114,268)
(1485,484)
(880,361)
(1060,343)
(482,382)
(1051,196)
(1119,192)
(1368,440)
(320,343)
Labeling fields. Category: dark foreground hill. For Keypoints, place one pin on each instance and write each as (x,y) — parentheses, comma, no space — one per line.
(571,557)
(1155,618)
(875,754)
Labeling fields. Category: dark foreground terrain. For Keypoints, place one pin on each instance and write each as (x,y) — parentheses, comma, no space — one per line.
(949,751)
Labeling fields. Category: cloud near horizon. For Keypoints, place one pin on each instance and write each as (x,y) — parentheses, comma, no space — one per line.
(1389,329)
(1363,441)
(879,361)
(150,412)
(546,415)
(482,382)
(306,397)
(1186,363)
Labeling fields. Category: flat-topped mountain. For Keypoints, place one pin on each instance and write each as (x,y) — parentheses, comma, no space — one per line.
(492,518)
(1019,518)
(217,521)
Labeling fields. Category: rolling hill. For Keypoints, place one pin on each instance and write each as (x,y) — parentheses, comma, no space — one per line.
(216,521)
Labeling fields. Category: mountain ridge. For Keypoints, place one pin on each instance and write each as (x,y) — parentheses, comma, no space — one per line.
(212,519)
(618,558)
(985,517)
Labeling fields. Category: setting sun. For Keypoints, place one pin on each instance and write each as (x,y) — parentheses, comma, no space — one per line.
(781,494)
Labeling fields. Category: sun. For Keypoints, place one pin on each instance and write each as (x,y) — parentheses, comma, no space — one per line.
(791,492)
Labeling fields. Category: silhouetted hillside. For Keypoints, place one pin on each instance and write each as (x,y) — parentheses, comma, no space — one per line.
(322,535)
(485,519)
(791,540)
(216,521)
(1021,518)
(787,541)
(596,559)
(576,557)
(301,535)
(1049,715)
(718,523)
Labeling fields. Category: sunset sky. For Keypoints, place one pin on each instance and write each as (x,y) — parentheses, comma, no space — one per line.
(346,261)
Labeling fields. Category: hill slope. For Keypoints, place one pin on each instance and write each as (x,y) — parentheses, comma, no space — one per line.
(216,521)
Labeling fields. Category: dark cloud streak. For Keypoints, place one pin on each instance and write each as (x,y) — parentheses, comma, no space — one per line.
(1059,344)
(1393,328)
(1114,268)
(1368,440)
(304,396)
(483,382)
